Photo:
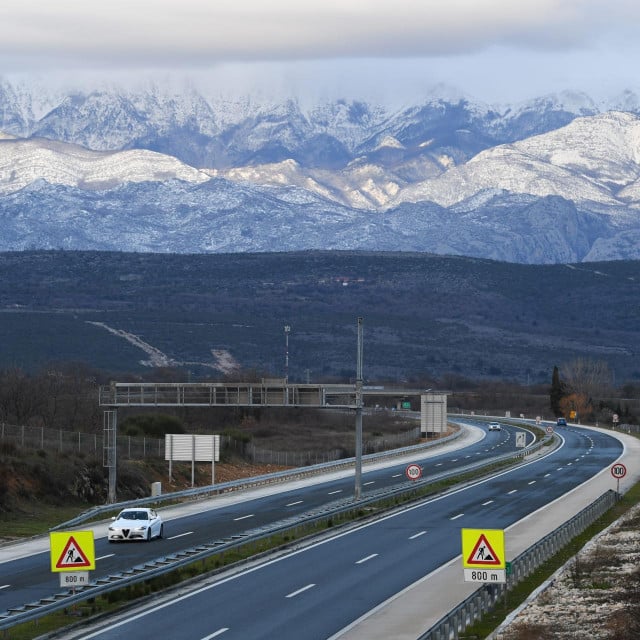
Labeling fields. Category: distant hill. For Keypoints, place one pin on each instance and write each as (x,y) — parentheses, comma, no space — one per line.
(423,315)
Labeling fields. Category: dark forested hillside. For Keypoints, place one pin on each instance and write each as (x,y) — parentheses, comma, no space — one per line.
(423,315)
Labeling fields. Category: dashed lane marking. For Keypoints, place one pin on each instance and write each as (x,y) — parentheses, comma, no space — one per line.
(367,558)
(293,594)
(417,535)
(180,535)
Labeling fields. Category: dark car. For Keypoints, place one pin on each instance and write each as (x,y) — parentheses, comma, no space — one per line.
(561,422)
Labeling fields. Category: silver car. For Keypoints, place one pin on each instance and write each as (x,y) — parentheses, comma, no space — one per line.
(136,524)
(494,426)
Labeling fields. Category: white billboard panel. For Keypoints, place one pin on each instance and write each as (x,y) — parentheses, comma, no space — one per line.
(180,447)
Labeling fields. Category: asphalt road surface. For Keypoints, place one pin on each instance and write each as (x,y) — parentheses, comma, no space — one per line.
(317,590)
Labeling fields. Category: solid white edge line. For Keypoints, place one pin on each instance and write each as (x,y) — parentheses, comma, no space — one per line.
(250,515)
(4,586)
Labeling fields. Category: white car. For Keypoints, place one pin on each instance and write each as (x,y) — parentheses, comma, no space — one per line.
(494,426)
(136,524)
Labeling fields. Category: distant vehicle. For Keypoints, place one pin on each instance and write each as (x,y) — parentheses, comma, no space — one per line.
(561,422)
(136,524)
(494,426)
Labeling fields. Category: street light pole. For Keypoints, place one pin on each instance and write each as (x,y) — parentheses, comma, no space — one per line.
(358,487)
(287,329)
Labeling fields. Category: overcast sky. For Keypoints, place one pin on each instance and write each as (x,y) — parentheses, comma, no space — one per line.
(495,50)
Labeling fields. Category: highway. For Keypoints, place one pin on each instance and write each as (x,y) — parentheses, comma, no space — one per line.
(26,577)
(317,590)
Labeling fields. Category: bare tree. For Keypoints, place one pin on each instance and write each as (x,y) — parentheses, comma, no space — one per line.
(19,400)
(585,377)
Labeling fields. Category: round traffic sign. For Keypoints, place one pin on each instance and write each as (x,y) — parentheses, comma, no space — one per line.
(413,471)
(549,429)
(618,470)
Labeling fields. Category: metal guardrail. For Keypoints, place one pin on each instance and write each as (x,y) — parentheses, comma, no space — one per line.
(485,598)
(152,569)
(255,481)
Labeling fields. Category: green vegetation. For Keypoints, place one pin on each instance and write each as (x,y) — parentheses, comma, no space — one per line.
(425,316)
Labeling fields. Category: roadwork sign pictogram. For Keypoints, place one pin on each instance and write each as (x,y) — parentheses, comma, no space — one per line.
(72,551)
(483,548)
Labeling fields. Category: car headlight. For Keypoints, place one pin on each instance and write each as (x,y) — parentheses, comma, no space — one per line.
(143,528)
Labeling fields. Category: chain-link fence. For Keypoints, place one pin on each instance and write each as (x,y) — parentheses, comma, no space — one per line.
(139,447)
(89,444)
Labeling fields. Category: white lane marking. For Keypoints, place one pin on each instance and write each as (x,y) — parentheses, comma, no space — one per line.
(217,633)
(293,594)
(559,469)
(417,535)
(532,482)
(397,475)
(456,517)
(180,535)
(98,558)
(546,475)
(455,460)
(484,504)
(439,464)
(512,491)
(334,492)
(373,555)
(244,517)
(293,504)
(4,586)
(569,464)
(364,484)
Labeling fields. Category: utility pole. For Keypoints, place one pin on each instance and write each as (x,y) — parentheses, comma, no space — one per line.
(358,487)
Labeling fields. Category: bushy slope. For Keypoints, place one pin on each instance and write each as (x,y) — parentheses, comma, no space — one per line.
(424,315)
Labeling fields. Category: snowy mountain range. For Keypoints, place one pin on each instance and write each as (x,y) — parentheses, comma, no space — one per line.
(553,180)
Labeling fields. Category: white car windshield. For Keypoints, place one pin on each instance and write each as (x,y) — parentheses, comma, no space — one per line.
(133,515)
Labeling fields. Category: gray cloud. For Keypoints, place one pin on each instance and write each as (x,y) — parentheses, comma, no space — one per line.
(202,32)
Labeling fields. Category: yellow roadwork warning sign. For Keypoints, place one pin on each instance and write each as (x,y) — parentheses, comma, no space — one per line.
(72,551)
(483,549)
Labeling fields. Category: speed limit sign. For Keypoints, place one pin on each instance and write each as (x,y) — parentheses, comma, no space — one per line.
(413,471)
(618,470)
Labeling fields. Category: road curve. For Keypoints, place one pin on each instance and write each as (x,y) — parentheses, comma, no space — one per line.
(318,591)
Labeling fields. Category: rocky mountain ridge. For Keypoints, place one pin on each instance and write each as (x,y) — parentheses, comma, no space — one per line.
(554,180)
